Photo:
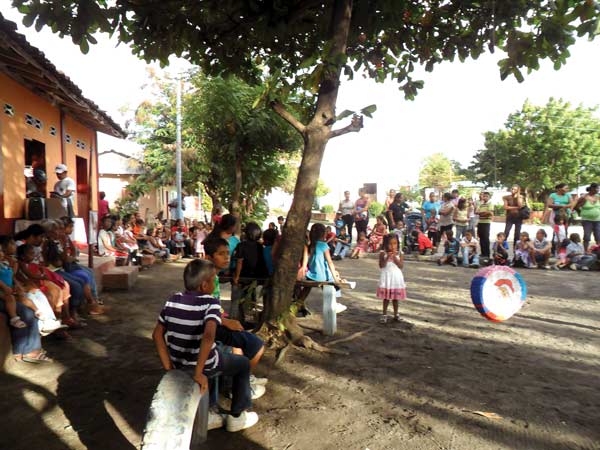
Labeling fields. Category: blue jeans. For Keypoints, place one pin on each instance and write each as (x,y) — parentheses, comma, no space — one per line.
(238,368)
(460,231)
(466,254)
(584,261)
(341,250)
(85,275)
(24,340)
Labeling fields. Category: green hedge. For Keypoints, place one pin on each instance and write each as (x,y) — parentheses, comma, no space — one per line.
(499,210)
(537,206)
(327,209)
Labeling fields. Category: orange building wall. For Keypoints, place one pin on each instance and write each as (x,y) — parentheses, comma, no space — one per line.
(14,131)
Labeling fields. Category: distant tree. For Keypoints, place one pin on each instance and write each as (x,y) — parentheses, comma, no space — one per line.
(436,172)
(541,146)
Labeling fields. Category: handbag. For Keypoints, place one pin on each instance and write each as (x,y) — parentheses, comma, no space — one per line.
(524,212)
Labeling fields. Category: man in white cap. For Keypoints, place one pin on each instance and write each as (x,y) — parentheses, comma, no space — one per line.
(64,188)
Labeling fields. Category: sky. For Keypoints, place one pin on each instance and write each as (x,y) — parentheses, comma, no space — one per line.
(460,101)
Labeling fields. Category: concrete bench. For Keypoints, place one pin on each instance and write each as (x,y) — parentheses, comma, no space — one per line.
(178,415)
(120,277)
(329,298)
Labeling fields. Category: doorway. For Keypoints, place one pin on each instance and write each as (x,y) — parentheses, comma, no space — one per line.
(36,177)
(83,188)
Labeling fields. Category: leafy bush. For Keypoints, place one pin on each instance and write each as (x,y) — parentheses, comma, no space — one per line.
(538,206)
(536,221)
(327,209)
(375,209)
(499,210)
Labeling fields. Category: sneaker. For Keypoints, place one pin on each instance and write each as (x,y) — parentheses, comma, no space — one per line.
(556,268)
(383,319)
(246,420)
(340,308)
(257,391)
(453,263)
(215,420)
(573,267)
(474,266)
(258,381)
(546,267)
(439,262)
(585,268)
(397,318)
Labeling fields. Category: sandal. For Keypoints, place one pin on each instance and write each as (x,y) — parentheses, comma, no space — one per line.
(383,318)
(38,358)
(100,301)
(16,322)
(397,318)
(95,310)
(62,335)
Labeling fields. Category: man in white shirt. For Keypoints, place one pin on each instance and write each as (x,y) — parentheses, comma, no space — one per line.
(64,188)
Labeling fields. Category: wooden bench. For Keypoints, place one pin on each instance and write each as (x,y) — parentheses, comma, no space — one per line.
(329,298)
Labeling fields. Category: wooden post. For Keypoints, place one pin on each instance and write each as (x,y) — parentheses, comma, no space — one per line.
(91,191)
(329,311)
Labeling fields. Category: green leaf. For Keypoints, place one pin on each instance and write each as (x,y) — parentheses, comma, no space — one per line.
(84,46)
(345,113)
(369,110)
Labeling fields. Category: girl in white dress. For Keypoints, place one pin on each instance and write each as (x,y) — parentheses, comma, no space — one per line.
(391,281)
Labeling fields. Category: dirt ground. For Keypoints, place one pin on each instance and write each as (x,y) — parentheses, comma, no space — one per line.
(413,385)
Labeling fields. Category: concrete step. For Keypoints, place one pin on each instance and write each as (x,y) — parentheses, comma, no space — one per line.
(122,277)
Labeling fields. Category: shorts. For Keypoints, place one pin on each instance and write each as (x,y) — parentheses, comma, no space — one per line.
(249,343)
(540,258)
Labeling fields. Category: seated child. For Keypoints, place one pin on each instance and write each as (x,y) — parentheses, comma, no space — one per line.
(191,346)
(423,243)
(379,231)
(524,252)
(199,236)
(342,245)
(330,239)
(576,256)
(362,246)
(542,248)
(451,250)
(470,249)
(559,234)
(500,250)
(231,332)
(338,222)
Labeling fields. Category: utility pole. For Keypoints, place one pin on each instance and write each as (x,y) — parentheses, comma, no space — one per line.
(178,151)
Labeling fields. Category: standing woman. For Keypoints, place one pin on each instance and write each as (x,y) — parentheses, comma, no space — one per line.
(588,207)
(361,212)
(388,202)
(512,205)
(347,209)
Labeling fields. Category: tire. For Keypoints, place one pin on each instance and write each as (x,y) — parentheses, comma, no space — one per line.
(178,414)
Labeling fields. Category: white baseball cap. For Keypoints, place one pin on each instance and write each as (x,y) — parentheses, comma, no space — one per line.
(60,168)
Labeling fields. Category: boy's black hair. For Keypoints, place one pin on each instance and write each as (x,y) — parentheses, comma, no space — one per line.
(212,244)
(386,241)
(252,231)
(35,230)
(415,234)
(542,231)
(22,249)
(4,241)
(269,237)
(196,273)
(469,230)
(450,234)
(447,196)
(501,233)
(574,237)
(280,218)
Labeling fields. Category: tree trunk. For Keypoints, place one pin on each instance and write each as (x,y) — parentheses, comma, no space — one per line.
(316,137)
(237,188)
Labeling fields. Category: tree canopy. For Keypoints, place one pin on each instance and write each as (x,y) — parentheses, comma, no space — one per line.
(236,153)
(540,146)
(436,172)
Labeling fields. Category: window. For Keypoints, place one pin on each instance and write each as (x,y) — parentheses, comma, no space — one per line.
(37,123)
(29,120)
(52,131)
(68,138)
(82,146)
(9,110)
(78,144)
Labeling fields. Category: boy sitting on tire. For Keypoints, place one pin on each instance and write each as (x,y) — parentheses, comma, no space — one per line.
(185,339)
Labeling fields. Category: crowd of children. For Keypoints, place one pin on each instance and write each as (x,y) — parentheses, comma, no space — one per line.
(43,288)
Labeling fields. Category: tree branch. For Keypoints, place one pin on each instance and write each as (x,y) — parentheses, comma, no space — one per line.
(288,117)
(354,127)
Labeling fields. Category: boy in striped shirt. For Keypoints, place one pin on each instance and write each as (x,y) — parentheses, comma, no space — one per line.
(185,339)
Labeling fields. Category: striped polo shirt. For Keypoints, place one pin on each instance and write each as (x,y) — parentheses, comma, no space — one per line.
(184,316)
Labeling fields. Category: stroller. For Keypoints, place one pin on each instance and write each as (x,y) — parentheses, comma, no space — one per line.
(410,220)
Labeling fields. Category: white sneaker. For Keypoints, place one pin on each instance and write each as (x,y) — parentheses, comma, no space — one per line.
(258,381)
(246,420)
(257,391)
(215,420)
(340,308)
